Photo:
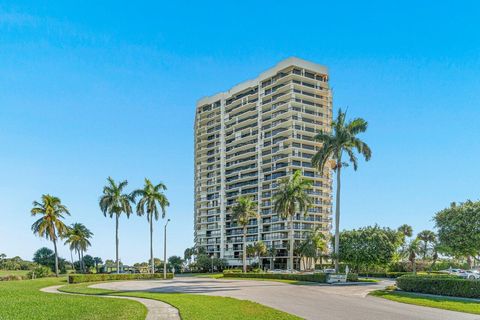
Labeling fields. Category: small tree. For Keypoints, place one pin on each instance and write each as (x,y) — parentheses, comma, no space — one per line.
(459,229)
(260,251)
(367,247)
(427,237)
(50,224)
(292,198)
(272,253)
(243,211)
(175,262)
(413,249)
(98,261)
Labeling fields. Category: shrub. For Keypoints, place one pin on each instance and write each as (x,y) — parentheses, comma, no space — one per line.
(12,277)
(445,285)
(317,277)
(382,274)
(78,278)
(39,272)
(233,271)
(352,277)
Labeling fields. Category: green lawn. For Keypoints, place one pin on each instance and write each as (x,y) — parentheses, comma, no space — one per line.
(202,275)
(197,307)
(23,300)
(453,304)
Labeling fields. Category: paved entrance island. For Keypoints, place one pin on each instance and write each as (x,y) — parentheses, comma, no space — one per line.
(310,302)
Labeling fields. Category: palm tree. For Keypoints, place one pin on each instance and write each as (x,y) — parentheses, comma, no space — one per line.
(97,261)
(242,212)
(50,224)
(114,202)
(272,252)
(313,246)
(187,254)
(260,251)
(405,230)
(342,139)
(291,198)
(251,251)
(413,249)
(427,236)
(78,239)
(151,196)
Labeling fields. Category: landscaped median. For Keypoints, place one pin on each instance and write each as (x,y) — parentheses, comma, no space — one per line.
(294,277)
(79,278)
(435,291)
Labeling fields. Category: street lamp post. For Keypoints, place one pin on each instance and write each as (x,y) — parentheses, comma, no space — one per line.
(165,251)
(212,261)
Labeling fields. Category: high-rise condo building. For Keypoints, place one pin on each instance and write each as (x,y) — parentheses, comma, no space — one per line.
(248,138)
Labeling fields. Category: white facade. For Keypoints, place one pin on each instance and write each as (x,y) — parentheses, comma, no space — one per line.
(245,140)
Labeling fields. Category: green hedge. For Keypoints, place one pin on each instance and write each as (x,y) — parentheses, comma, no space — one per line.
(394,275)
(318,277)
(232,271)
(78,278)
(390,275)
(352,277)
(444,285)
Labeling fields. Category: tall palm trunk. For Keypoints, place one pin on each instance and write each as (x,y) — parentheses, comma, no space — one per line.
(337,217)
(71,258)
(80,268)
(291,242)
(83,262)
(151,244)
(244,249)
(56,256)
(116,243)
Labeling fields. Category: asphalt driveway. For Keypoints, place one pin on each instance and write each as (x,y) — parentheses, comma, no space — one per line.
(309,302)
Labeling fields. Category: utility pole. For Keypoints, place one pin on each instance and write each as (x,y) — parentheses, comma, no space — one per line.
(165,251)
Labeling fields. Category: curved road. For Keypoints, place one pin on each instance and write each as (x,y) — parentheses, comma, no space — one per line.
(310,302)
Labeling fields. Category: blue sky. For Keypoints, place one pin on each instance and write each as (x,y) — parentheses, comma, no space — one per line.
(94,89)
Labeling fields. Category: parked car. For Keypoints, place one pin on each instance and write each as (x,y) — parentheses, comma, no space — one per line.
(328,270)
(456,272)
(291,271)
(472,274)
(276,271)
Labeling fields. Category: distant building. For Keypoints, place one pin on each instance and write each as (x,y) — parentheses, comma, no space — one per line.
(249,137)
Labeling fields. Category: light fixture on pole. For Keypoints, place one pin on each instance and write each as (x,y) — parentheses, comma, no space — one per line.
(165,251)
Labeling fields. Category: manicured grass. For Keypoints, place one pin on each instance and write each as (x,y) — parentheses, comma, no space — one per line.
(204,275)
(23,300)
(367,280)
(453,304)
(13,272)
(197,307)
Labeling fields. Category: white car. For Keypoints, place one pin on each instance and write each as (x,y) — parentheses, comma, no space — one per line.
(328,271)
(276,271)
(456,272)
(472,274)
